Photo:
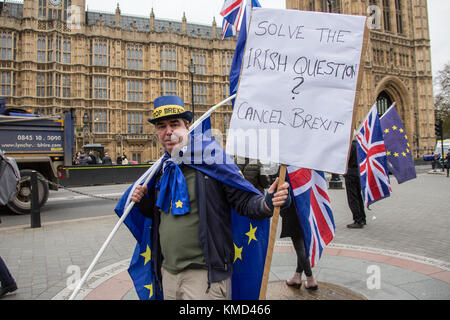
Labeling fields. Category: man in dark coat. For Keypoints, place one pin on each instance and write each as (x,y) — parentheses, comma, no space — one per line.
(290,227)
(107,159)
(194,251)
(448,162)
(251,169)
(83,159)
(8,284)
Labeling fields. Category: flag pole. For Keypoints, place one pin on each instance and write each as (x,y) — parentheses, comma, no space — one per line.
(132,203)
(272,236)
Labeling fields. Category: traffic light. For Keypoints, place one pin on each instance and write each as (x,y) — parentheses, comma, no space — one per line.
(438,128)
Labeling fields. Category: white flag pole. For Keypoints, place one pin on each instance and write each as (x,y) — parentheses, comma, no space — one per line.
(132,203)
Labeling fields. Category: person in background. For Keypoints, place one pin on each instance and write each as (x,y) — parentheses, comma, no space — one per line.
(353,190)
(107,159)
(8,284)
(251,170)
(76,159)
(83,159)
(92,158)
(290,227)
(119,159)
(448,162)
(124,159)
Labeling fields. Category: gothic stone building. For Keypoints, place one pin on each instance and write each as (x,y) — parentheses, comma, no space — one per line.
(109,68)
(397,64)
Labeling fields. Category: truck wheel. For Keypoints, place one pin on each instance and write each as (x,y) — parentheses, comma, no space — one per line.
(22,202)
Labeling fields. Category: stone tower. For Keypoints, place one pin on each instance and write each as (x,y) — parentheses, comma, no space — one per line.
(50,9)
(108,67)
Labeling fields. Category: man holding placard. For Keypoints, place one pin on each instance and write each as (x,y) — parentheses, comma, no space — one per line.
(190,206)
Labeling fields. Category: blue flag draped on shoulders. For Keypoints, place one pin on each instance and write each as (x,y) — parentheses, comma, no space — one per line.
(250,237)
(235,69)
(398,151)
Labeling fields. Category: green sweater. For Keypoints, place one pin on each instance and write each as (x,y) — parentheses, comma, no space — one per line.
(179,240)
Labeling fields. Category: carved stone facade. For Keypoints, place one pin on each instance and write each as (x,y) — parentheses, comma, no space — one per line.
(54,57)
(111,67)
(397,62)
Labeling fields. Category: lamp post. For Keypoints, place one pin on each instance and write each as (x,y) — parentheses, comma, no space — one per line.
(335,182)
(416,134)
(191,71)
(85,126)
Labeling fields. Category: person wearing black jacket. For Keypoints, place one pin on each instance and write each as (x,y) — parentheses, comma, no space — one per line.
(107,159)
(447,165)
(353,189)
(8,284)
(193,253)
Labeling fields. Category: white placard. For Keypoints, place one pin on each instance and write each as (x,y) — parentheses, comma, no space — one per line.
(297,88)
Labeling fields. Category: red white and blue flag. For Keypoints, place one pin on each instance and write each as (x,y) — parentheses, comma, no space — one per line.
(231,12)
(373,169)
(309,188)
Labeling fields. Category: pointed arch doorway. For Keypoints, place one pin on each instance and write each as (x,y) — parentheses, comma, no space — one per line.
(384,101)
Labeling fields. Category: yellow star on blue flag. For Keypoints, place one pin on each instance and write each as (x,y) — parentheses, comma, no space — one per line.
(179,204)
(237,253)
(150,288)
(251,234)
(147,255)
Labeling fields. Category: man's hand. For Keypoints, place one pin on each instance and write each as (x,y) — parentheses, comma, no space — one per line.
(279,198)
(138,193)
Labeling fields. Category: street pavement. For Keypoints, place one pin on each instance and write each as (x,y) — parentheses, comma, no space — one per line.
(402,252)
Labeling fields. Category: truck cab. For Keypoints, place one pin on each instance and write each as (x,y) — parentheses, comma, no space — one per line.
(43,144)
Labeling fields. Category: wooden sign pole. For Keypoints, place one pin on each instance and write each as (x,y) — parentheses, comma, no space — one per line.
(272,236)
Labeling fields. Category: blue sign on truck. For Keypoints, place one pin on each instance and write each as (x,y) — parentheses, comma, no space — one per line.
(31,141)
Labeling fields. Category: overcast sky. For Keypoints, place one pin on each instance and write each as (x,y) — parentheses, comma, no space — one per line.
(203,11)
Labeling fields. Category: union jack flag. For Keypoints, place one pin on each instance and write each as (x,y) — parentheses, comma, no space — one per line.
(309,188)
(372,159)
(231,12)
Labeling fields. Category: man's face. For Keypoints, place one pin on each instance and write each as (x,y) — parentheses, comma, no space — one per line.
(165,130)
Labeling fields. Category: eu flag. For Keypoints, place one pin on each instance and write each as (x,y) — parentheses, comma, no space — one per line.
(141,267)
(398,150)
(250,237)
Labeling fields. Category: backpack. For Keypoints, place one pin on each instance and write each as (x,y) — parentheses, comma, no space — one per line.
(9,179)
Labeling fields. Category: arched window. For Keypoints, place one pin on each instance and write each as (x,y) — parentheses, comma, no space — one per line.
(398,16)
(331,6)
(384,101)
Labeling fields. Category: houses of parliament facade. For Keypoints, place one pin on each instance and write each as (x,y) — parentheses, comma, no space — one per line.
(108,68)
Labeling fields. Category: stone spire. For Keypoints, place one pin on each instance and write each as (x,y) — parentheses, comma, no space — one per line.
(117,16)
(214,28)
(152,21)
(184,24)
